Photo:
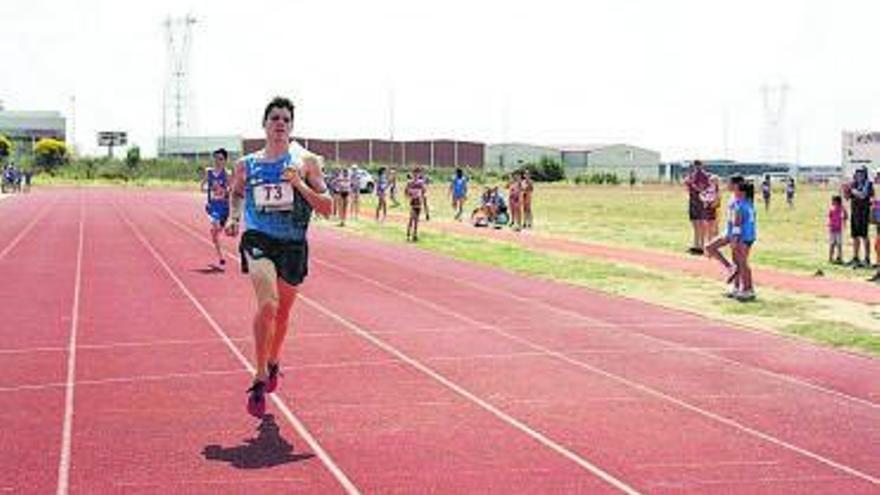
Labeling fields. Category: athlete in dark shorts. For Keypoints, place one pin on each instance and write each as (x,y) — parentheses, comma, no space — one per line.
(216,185)
(277,187)
(696,182)
(861,194)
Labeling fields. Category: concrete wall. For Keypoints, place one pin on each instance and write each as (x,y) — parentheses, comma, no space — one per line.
(437,153)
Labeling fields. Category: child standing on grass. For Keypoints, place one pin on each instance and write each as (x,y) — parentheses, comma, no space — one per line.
(415,192)
(381,192)
(342,186)
(514,199)
(745,231)
(713,249)
(837,217)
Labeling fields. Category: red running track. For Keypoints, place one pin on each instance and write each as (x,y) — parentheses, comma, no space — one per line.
(406,372)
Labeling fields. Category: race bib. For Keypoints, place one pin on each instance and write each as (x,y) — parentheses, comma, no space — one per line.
(274,197)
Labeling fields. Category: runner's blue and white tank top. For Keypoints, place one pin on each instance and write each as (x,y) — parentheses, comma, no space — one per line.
(290,225)
(218,183)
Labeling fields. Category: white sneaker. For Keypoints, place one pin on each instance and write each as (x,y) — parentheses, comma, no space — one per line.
(746,296)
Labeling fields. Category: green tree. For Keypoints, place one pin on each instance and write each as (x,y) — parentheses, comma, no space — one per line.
(5,147)
(50,154)
(133,158)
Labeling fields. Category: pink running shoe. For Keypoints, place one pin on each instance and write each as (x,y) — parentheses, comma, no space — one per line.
(256,405)
(274,373)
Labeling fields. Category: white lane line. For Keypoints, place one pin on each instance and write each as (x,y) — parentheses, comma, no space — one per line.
(633,330)
(67,429)
(14,242)
(300,428)
(563,357)
(506,418)
(620,379)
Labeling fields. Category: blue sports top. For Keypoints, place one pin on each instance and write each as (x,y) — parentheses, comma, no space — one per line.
(217,187)
(290,225)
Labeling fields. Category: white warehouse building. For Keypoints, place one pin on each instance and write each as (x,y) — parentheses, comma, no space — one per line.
(619,159)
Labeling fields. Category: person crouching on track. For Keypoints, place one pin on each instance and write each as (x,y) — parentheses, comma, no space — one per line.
(278,187)
(216,184)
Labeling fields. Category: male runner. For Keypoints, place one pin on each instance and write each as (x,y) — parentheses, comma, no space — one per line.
(216,183)
(278,187)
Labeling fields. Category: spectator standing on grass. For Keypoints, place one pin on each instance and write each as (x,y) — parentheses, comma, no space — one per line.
(528,187)
(392,188)
(514,199)
(837,217)
(766,192)
(861,194)
(744,233)
(713,249)
(415,191)
(422,176)
(789,192)
(875,218)
(458,188)
(381,193)
(696,182)
(342,186)
(27,180)
(355,200)
(711,198)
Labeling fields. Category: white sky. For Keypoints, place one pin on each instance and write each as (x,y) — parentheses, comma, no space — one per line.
(660,74)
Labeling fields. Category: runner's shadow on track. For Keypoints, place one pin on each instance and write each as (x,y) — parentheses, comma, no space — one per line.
(268,449)
(210,270)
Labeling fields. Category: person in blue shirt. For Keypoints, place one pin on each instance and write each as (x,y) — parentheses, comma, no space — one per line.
(216,184)
(458,189)
(743,234)
(277,188)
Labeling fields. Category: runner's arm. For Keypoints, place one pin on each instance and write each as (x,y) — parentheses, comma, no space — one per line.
(236,198)
(313,189)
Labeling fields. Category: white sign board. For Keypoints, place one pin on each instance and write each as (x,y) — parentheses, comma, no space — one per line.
(860,149)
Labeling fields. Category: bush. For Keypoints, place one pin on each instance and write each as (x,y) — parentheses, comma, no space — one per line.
(597,178)
(6,147)
(546,170)
(50,154)
(114,169)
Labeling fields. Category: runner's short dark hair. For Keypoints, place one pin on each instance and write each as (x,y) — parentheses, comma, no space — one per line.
(221,151)
(278,102)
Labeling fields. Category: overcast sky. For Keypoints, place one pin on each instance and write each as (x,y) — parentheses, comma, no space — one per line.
(661,74)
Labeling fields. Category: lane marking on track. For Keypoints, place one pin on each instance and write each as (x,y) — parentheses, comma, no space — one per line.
(563,357)
(461,391)
(620,379)
(633,329)
(14,242)
(67,428)
(300,428)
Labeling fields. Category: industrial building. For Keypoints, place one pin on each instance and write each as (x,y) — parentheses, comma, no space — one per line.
(619,159)
(198,147)
(25,128)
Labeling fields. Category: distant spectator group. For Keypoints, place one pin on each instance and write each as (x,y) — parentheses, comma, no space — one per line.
(15,180)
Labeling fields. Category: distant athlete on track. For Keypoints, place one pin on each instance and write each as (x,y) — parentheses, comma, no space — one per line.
(278,187)
(216,184)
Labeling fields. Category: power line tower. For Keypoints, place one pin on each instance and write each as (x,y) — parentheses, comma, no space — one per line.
(773,134)
(178,114)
